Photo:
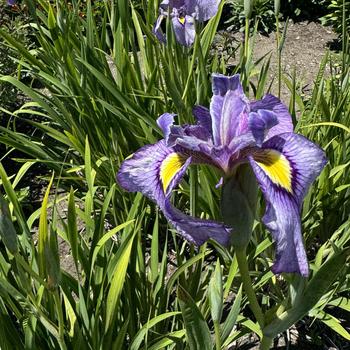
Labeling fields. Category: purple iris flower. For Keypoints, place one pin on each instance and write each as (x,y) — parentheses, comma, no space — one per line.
(183,13)
(232,132)
(11,2)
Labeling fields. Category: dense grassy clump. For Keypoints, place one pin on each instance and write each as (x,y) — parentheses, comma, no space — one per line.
(263,12)
(338,16)
(98,81)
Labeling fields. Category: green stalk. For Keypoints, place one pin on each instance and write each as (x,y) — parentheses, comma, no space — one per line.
(248,287)
(193,190)
(266,343)
(217,335)
(246,51)
(60,320)
(344,39)
(193,196)
(279,51)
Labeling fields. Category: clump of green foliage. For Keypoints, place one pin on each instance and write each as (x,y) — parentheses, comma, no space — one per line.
(338,16)
(133,284)
(263,13)
(12,21)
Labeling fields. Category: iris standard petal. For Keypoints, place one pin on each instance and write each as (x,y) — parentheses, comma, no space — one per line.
(285,167)
(260,122)
(202,10)
(184,29)
(272,103)
(203,118)
(222,85)
(234,117)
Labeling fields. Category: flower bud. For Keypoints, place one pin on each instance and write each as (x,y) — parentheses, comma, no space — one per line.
(277,7)
(238,204)
(248,8)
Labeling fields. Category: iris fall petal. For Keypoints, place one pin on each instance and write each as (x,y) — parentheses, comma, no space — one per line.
(285,167)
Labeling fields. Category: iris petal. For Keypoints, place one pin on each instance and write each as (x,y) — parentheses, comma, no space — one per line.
(155,170)
(272,103)
(202,9)
(140,172)
(170,167)
(184,32)
(276,167)
(196,230)
(285,172)
(203,118)
(260,122)
(234,117)
(228,109)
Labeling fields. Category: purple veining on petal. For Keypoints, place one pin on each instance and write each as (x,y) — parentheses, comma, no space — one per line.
(282,216)
(234,116)
(228,109)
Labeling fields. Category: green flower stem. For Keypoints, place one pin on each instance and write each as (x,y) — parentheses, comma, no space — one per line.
(217,335)
(266,343)
(279,53)
(248,287)
(246,41)
(193,190)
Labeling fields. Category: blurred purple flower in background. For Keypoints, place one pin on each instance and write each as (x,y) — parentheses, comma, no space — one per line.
(183,13)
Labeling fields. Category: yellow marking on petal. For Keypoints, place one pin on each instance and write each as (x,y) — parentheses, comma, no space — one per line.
(276,166)
(170,167)
(182,20)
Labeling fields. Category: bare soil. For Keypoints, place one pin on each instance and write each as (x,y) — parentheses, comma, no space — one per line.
(305,45)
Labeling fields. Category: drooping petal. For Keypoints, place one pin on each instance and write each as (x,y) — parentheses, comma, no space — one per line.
(272,103)
(260,122)
(184,30)
(196,230)
(193,229)
(155,170)
(221,86)
(285,167)
(141,171)
(202,10)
